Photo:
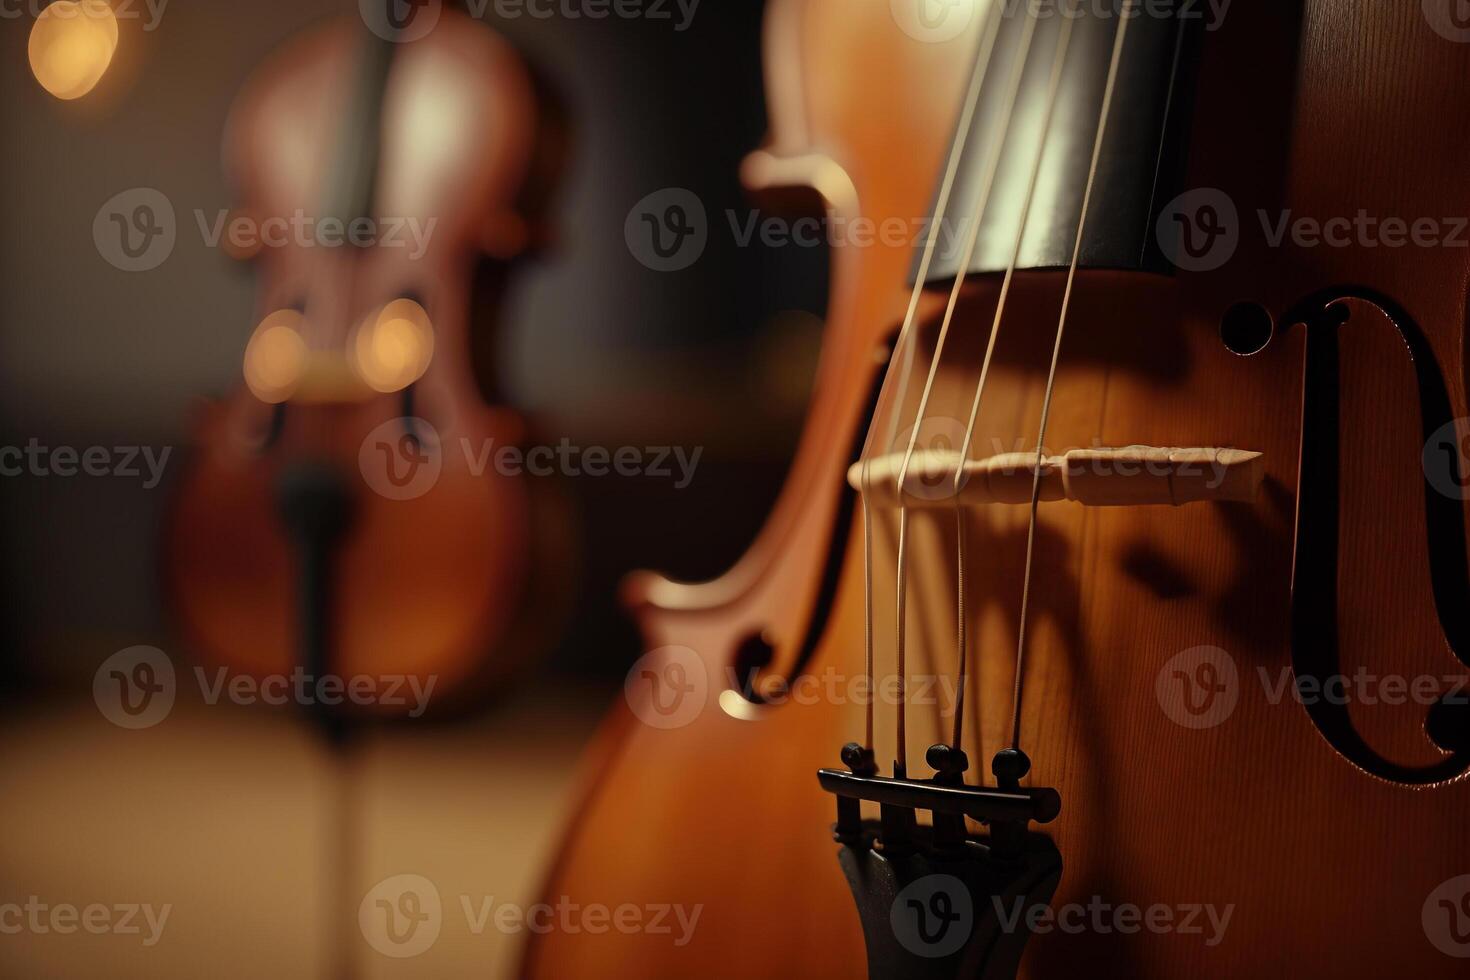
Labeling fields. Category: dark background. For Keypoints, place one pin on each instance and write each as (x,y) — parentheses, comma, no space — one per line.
(592,345)
(264,835)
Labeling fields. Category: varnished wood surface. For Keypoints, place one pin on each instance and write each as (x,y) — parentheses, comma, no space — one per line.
(432,584)
(1327,868)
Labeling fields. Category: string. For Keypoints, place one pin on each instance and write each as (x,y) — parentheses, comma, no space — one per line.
(905,342)
(1053,91)
(868,620)
(1124,17)
(899,376)
(900,765)
(962,642)
(992,166)
(1059,61)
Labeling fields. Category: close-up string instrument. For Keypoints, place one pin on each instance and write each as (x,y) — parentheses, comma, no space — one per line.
(334,524)
(334,519)
(1137,484)
(1072,392)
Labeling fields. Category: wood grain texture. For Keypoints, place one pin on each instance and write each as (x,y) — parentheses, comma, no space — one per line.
(1326,868)
(1134,476)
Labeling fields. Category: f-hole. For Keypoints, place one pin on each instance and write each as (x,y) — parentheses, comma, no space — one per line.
(1314,634)
(756,652)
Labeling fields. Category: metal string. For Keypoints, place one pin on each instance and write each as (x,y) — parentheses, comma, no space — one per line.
(1053,91)
(1124,17)
(992,166)
(897,375)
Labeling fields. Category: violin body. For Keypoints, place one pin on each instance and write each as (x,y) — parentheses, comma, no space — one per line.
(1332,835)
(433,574)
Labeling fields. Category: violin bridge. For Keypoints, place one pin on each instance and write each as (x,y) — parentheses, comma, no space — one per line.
(1130,477)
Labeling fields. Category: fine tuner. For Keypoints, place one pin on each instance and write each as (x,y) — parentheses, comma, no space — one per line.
(1130,476)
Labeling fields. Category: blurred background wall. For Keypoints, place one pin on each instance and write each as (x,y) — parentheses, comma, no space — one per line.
(240,818)
(597,347)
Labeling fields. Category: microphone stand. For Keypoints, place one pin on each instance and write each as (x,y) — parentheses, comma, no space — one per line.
(316,510)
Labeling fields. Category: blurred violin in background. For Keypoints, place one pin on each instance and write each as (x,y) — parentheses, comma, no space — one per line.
(334,518)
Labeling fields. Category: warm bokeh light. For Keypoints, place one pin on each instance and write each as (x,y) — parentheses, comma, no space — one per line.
(71,46)
(392,348)
(275,358)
